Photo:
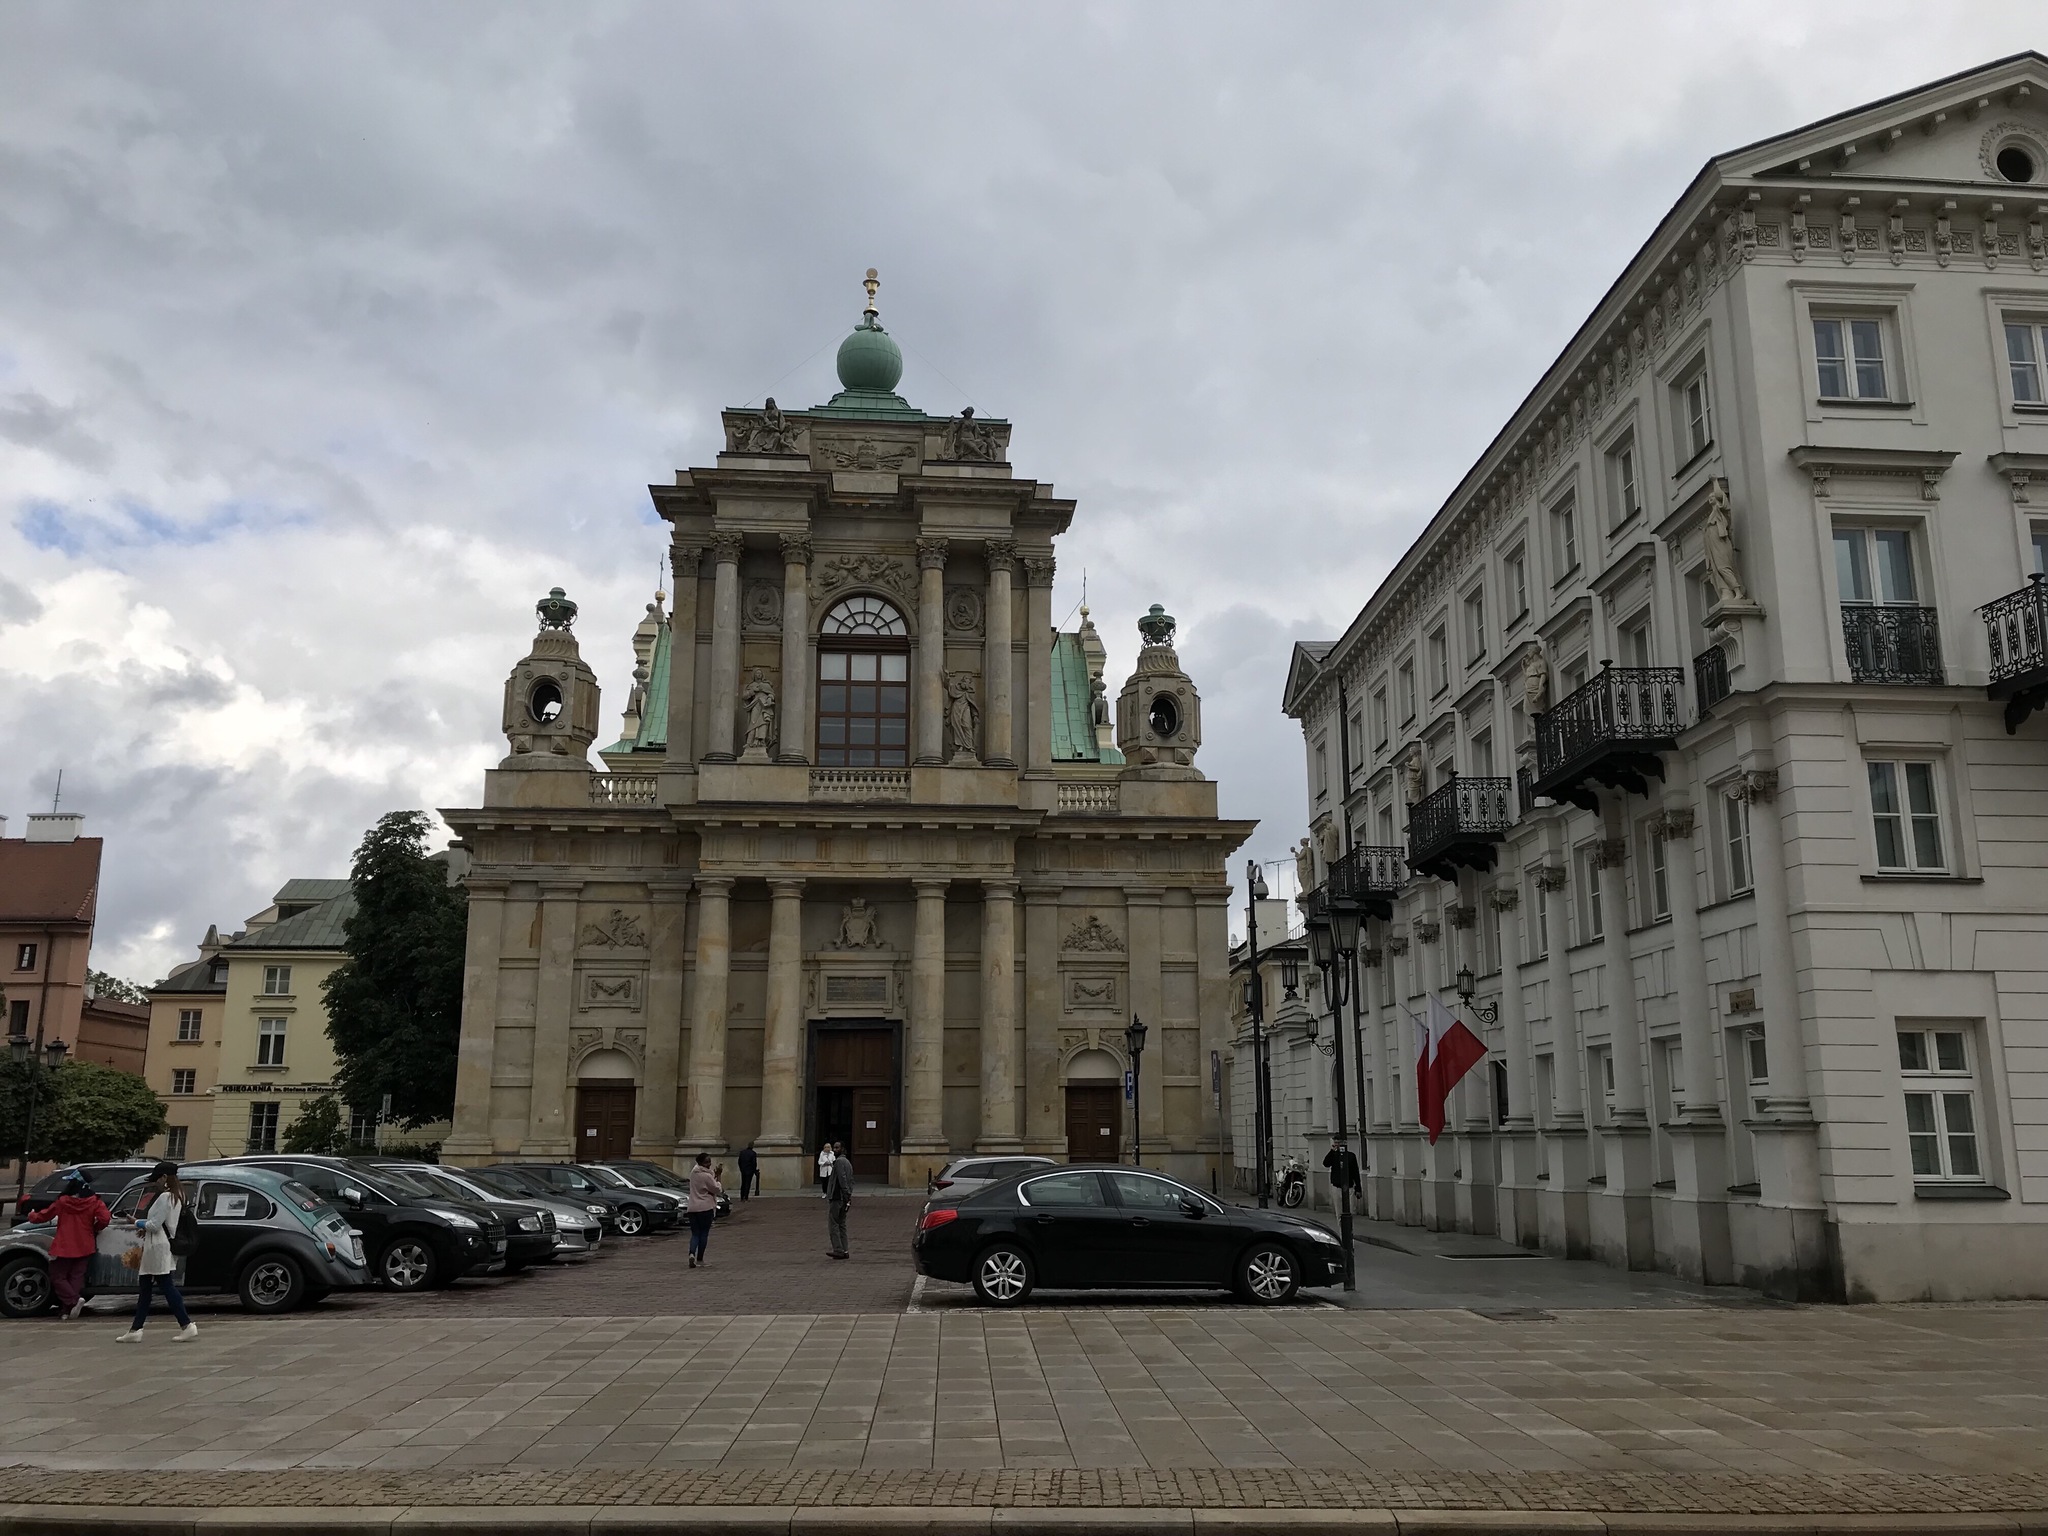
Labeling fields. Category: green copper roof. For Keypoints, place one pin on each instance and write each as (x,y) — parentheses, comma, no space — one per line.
(1073,733)
(653,734)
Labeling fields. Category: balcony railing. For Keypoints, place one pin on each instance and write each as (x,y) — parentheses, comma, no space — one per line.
(1710,678)
(623,788)
(2016,625)
(1525,791)
(1459,826)
(1087,799)
(856,786)
(1611,731)
(1890,644)
(1371,877)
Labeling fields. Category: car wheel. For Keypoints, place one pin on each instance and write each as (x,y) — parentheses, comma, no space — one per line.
(1268,1274)
(25,1288)
(632,1221)
(273,1283)
(409,1264)
(1002,1276)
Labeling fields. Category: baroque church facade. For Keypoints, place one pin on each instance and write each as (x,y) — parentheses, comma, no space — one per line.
(871,861)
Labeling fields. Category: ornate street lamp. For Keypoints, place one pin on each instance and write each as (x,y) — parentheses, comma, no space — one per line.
(1134,1043)
(1262,1085)
(23,1050)
(1485,1013)
(1332,939)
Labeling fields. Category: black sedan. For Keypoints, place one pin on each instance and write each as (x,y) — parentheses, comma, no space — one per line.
(1084,1228)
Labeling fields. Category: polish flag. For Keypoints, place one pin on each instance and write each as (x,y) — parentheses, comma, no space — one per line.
(1445,1051)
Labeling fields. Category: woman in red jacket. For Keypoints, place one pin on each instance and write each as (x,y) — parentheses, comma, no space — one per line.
(81,1217)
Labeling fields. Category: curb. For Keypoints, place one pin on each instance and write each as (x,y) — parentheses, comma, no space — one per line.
(942,1520)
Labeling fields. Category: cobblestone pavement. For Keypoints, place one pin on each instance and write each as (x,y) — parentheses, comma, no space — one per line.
(1838,1404)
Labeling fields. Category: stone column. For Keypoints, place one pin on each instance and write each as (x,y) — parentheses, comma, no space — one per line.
(997,734)
(704,1118)
(1561,1207)
(780,1145)
(470,1141)
(1792,1258)
(1045,1103)
(1038,576)
(654,1134)
(924,1135)
(1622,1228)
(1212,1003)
(548,1133)
(682,659)
(1148,1002)
(1699,1136)
(725,645)
(998,1016)
(1518,1220)
(931,651)
(793,713)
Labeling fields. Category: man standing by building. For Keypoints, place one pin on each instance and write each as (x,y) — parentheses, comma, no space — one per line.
(750,1169)
(838,1196)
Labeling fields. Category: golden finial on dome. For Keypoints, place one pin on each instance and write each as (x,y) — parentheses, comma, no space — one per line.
(871,282)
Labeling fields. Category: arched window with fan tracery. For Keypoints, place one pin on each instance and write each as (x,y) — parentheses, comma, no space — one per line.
(863,685)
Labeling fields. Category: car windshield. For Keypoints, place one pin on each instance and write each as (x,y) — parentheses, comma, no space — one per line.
(520,1178)
(408,1183)
(498,1183)
(647,1173)
(449,1184)
(610,1176)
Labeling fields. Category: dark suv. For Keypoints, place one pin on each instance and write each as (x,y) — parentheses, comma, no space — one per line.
(636,1210)
(412,1241)
(529,1229)
(108,1180)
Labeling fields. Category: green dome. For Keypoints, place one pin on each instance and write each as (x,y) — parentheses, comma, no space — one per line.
(870,360)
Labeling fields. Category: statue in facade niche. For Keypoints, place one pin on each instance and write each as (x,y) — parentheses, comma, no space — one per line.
(1304,866)
(858,926)
(963,715)
(759,703)
(1098,702)
(1535,682)
(1718,535)
(771,431)
(971,440)
(1411,770)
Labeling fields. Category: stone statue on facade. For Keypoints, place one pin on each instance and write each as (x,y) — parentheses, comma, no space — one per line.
(972,441)
(759,703)
(1304,866)
(770,432)
(1535,682)
(1411,774)
(1718,535)
(859,927)
(963,716)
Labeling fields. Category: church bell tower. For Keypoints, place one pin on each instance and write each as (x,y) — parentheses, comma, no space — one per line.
(1159,713)
(551,698)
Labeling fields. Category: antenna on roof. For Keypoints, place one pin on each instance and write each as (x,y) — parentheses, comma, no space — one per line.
(59,795)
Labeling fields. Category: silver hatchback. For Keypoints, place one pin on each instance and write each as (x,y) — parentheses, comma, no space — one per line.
(966,1174)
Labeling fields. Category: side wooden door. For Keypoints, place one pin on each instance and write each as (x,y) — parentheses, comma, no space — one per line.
(604,1121)
(1094,1123)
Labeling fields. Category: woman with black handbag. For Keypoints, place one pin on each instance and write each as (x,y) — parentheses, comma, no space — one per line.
(166,1232)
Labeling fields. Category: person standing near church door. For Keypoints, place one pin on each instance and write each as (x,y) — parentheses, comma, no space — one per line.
(838,1196)
(825,1169)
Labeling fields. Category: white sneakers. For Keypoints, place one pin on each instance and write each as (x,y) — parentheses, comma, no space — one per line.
(132,1333)
(189,1331)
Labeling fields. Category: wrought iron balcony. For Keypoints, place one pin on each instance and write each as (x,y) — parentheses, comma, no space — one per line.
(1459,826)
(1371,877)
(1891,644)
(1710,678)
(2017,627)
(1612,732)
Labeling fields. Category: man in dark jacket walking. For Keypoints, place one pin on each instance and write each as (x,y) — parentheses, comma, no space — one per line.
(750,1170)
(838,1196)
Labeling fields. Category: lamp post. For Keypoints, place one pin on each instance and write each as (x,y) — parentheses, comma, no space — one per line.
(1255,998)
(1485,1013)
(1134,1043)
(22,1050)
(1332,938)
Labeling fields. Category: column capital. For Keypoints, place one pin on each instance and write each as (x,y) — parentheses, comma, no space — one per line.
(726,545)
(560,888)
(1610,853)
(683,559)
(786,885)
(1038,570)
(669,888)
(796,548)
(1037,894)
(931,885)
(488,889)
(931,554)
(1143,895)
(998,888)
(1676,823)
(1756,785)
(715,885)
(1001,554)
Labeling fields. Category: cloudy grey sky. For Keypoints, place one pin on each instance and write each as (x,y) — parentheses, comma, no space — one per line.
(330,337)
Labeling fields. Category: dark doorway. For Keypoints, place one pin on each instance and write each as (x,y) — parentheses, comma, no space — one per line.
(854,1083)
(604,1120)
(1095,1122)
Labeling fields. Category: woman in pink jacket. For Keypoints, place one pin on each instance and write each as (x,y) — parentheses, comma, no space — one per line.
(702,1208)
(81,1217)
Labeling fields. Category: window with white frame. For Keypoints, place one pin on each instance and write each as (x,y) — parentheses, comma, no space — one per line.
(1624,482)
(1407,691)
(1756,1070)
(1849,357)
(1482,754)
(277,981)
(1539,910)
(1633,641)
(1475,626)
(270,1042)
(263,1126)
(1564,536)
(1574,675)
(184,1080)
(1515,581)
(2026,358)
(1875,565)
(1735,841)
(176,1140)
(1379,719)
(362,1127)
(2039,533)
(1439,661)
(1386,826)
(1357,739)
(1656,894)
(1591,919)
(1906,816)
(1694,409)
(188,1024)
(1942,1119)
(24,957)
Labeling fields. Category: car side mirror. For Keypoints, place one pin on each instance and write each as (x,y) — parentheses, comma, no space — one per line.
(1193,1208)
(353,1198)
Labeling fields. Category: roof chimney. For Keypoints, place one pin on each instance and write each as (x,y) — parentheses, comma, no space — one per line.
(54,826)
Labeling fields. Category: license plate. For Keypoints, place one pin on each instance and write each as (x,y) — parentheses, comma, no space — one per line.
(498,1246)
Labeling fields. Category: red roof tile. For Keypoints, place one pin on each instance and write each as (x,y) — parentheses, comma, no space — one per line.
(49,882)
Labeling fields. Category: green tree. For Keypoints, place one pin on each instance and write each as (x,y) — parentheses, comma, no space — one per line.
(394,1007)
(100,984)
(319,1130)
(87,1113)
(15,1078)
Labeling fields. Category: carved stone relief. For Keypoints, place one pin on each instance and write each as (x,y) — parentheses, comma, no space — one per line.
(761,608)
(963,610)
(840,571)
(616,932)
(1086,993)
(858,927)
(615,990)
(863,453)
(1094,935)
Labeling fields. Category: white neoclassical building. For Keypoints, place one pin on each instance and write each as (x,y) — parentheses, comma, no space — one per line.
(1698,724)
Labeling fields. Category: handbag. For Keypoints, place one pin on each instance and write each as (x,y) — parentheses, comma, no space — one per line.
(131,1258)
